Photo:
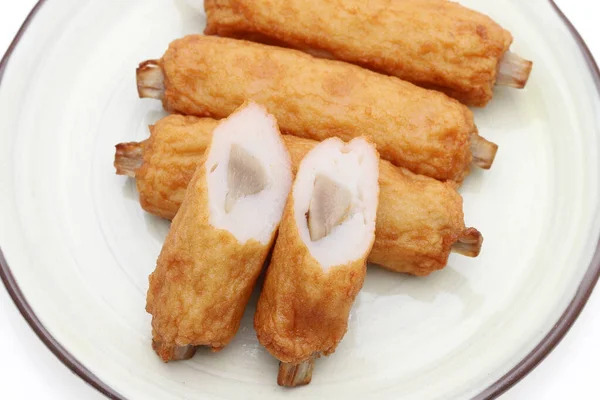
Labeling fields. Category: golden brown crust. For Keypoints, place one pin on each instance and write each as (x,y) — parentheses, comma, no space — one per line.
(436,44)
(303,311)
(418,221)
(171,155)
(203,277)
(421,130)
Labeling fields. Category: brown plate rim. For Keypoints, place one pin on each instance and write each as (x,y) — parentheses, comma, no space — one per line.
(537,355)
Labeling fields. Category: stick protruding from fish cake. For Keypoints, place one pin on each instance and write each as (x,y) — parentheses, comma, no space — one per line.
(292,375)
(484,151)
(150,80)
(513,71)
(129,157)
(469,243)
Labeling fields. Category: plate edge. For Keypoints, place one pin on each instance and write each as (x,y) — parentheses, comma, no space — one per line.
(587,285)
(515,375)
(11,285)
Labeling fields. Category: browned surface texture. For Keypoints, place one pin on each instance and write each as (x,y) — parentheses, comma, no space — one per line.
(203,278)
(172,153)
(421,130)
(432,43)
(303,311)
(418,221)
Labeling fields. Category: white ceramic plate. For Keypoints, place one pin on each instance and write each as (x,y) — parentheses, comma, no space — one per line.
(80,248)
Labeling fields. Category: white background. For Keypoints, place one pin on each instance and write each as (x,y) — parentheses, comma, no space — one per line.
(29,371)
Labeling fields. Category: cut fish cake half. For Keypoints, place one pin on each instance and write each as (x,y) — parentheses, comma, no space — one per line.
(220,237)
(319,262)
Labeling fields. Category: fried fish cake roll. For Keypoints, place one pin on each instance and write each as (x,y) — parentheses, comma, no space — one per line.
(421,130)
(318,265)
(220,237)
(436,44)
(163,165)
(419,221)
